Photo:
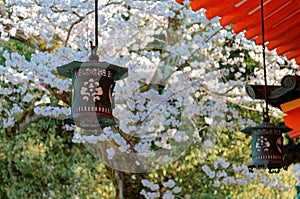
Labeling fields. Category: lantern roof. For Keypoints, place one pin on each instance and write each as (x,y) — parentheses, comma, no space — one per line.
(282,21)
(68,70)
(266,125)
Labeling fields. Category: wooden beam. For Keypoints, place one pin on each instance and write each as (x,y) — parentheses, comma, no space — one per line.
(290,105)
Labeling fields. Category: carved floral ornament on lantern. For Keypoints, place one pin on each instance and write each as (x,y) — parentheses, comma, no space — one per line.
(91,89)
(262,144)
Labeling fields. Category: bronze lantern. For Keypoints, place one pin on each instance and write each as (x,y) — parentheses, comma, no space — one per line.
(93,83)
(92,100)
(298,192)
(267,147)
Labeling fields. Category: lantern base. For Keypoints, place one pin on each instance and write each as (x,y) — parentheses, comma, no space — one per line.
(91,120)
(274,166)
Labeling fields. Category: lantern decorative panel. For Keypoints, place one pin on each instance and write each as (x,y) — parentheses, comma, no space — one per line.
(92,101)
(267,147)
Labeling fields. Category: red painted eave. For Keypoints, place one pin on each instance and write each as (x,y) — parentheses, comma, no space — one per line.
(282,21)
(292,118)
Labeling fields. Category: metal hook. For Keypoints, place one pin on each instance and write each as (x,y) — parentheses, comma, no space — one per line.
(266,114)
(95,47)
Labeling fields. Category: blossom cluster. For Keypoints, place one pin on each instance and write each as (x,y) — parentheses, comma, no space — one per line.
(56,112)
(218,173)
(96,136)
(154,189)
(296,172)
(181,73)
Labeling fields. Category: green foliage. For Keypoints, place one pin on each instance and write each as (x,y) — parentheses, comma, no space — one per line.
(43,162)
(16,46)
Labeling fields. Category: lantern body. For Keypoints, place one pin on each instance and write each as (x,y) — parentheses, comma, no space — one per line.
(267,147)
(92,97)
(298,191)
(92,100)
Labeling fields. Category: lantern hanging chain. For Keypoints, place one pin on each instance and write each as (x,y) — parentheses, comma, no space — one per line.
(266,113)
(95,47)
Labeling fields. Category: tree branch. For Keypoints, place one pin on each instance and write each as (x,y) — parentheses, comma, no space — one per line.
(66,97)
(224,94)
(27,117)
(81,18)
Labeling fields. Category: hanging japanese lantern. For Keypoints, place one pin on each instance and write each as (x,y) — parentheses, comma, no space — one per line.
(92,100)
(267,147)
(298,192)
(93,83)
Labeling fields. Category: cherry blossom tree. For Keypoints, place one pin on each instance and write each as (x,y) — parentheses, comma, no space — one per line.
(181,106)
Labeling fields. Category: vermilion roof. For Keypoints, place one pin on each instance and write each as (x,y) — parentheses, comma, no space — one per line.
(282,21)
(292,118)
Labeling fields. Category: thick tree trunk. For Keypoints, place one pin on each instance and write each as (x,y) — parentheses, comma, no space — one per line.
(128,185)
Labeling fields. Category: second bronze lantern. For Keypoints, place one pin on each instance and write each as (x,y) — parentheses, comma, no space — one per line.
(267,147)
(267,141)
